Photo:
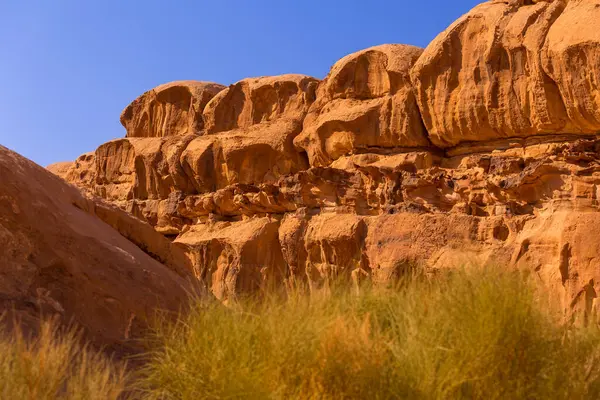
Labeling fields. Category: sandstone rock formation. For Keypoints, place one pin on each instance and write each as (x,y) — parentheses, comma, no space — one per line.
(572,59)
(171,109)
(80,171)
(483,79)
(259,153)
(256,100)
(235,257)
(365,103)
(482,149)
(148,176)
(60,259)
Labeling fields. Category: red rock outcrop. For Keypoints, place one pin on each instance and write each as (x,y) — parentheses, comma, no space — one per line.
(250,129)
(256,100)
(80,172)
(572,60)
(484,148)
(171,109)
(235,257)
(141,168)
(333,245)
(514,207)
(80,259)
(365,103)
(259,153)
(148,176)
(483,79)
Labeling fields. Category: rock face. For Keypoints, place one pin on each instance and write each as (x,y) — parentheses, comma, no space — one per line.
(484,148)
(572,59)
(517,207)
(171,109)
(366,102)
(483,78)
(236,257)
(148,176)
(254,101)
(260,153)
(60,259)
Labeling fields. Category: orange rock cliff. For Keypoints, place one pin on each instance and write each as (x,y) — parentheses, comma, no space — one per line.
(482,148)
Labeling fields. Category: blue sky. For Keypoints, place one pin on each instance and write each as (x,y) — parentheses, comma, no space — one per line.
(68,67)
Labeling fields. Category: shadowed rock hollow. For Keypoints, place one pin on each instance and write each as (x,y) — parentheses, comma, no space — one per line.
(481,148)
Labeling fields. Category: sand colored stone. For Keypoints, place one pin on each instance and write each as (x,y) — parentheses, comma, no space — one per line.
(365,102)
(482,148)
(82,260)
(174,108)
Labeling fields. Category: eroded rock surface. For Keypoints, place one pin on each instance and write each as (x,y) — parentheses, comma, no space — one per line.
(236,257)
(174,108)
(512,207)
(259,153)
(483,78)
(257,100)
(148,174)
(483,148)
(572,60)
(365,102)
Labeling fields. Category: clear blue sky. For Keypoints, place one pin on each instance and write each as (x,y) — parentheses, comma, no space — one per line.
(68,67)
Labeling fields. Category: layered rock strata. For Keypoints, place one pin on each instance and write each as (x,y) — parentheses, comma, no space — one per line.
(482,148)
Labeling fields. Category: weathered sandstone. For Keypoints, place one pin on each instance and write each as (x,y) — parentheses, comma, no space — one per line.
(256,100)
(148,176)
(366,102)
(483,79)
(259,153)
(572,60)
(482,149)
(235,258)
(174,108)
(81,260)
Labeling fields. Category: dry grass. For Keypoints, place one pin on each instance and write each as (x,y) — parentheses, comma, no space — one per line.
(55,365)
(468,335)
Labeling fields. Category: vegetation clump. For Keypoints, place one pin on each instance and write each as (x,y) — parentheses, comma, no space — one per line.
(465,335)
(471,334)
(57,365)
